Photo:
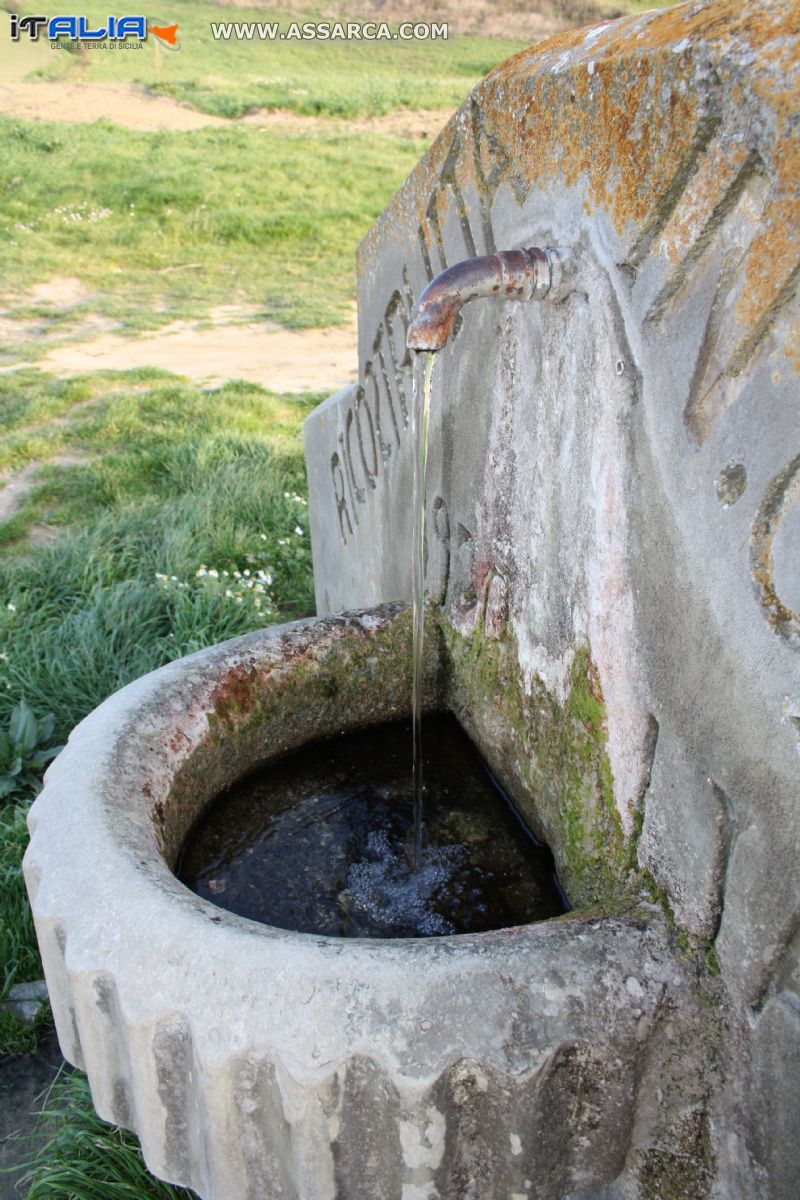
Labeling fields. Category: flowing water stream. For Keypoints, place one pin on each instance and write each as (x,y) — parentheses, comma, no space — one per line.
(420,411)
(319,842)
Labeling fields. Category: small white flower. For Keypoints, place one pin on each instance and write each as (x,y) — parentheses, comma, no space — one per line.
(214,573)
(298,531)
(263,537)
(11,607)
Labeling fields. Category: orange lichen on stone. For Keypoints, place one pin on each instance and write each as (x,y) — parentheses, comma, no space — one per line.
(792,345)
(774,257)
(659,120)
(625,127)
(710,188)
(237,692)
(731,24)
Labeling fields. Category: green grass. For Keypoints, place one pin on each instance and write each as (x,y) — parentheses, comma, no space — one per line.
(252,217)
(178,477)
(335,77)
(178,480)
(82,1158)
(19,956)
(167,225)
(134,411)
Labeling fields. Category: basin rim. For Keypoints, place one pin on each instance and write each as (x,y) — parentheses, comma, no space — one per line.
(113,921)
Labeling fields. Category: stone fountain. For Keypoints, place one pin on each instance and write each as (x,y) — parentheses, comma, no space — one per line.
(613,560)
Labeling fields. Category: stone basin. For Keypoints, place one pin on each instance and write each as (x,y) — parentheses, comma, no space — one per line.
(253,1062)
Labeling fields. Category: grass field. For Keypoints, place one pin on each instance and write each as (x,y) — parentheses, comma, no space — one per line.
(336,77)
(160,226)
(167,225)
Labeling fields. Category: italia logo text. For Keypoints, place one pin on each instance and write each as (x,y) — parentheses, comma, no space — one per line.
(78,29)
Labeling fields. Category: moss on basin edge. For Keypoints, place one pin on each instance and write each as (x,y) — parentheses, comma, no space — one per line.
(349,671)
(551,757)
(313,681)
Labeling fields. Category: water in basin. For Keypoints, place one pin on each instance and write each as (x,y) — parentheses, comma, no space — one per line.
(322,842)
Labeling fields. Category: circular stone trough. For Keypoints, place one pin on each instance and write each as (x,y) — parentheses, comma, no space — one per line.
(539,1061)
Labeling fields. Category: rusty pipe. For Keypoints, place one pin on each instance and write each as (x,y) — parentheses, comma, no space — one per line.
(507,275)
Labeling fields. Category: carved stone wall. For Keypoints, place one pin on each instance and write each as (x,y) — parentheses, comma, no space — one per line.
(615,480)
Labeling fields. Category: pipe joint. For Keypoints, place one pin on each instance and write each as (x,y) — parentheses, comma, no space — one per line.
(507,275)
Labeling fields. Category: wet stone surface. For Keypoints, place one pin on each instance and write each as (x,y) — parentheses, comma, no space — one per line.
(322,842)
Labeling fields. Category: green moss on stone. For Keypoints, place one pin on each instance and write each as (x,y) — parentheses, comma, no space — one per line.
(349,677)
(712,962)
(552,757)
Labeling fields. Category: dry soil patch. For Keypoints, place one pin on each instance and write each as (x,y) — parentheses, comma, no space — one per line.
(83,103)
(133,107)
(63,291)
(284,360)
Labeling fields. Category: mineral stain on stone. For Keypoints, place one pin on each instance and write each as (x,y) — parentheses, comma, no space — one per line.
(320,843)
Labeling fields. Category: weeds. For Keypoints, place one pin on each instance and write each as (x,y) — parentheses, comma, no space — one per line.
(25,749)
(187,478)
(187,527)
(82,1158)
(19,954)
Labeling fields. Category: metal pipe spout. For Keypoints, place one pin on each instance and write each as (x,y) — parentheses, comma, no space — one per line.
(507,275)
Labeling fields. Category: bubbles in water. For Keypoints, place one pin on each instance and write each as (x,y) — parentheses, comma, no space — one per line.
(389,893)
(320,842)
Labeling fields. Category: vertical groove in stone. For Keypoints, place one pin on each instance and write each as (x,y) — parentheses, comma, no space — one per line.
(52,939)
(180,1091)
(105,1048)
(263,1131)
(366,1146)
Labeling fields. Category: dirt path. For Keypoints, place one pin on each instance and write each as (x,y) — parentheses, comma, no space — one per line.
(133,107)
(284,360)
(82,103)
(15,489)
(231,343)
(14,492)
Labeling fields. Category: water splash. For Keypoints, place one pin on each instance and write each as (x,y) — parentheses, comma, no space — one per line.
(381,887)
(319,842)
(420,410)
